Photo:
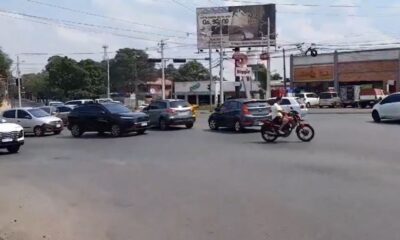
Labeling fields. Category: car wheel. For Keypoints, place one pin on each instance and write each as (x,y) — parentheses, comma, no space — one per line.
(142,131)
(116,130)
(13,149)
(189,125)
(213,124)
(238,127)
(375,116)
(321,106)
(76,131)
(38,131)
(57,132)
(308,105)
(163,124)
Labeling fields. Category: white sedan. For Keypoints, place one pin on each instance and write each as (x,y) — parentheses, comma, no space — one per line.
(291,103)
(11,136)
(388,108)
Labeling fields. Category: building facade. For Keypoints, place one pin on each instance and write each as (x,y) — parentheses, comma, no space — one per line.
(369,68)
(197,92)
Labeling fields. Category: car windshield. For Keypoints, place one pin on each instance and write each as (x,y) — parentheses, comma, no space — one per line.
(39,113)
(325,95)
(117,108)
(179,104)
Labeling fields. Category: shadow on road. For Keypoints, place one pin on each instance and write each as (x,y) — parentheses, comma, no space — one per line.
(171,128)
(89,136)
(386,122)
(232,132)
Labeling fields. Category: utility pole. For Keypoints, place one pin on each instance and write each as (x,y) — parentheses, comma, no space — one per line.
(268,83)
(284,71)
(108,70)
(136,81)
(210,67)
(19,83)
(221,65)
(162,44)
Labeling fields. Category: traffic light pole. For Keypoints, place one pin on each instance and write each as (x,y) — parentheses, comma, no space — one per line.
(162,44)
(211,78)
(221,65)
(19,83)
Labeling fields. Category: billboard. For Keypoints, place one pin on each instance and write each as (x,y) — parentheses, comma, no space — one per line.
(239,26)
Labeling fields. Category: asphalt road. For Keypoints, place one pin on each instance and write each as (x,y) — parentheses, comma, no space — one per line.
(201,185)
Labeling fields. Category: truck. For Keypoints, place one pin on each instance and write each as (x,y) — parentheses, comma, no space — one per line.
(371,96)
(350,95)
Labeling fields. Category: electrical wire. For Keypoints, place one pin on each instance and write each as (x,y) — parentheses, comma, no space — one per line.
(106,17)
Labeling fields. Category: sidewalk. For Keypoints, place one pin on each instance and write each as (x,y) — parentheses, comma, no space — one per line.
(322,111)
(339,111)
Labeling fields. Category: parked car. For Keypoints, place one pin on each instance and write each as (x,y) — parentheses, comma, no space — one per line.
(34,120)
(239,114)
(52,110)
(63,112)
(329,99)
(309,98)
(79,102)
(371,96)
(55,103)
(11,136)
(388,108)
(171,112)
(106,100)
(291,104)
(106,117)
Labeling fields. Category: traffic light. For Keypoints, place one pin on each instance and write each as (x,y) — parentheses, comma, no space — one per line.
(179,60)
(209,87)
(154,60)
(17,82)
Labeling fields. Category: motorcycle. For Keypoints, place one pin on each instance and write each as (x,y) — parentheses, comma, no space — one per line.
(304,131)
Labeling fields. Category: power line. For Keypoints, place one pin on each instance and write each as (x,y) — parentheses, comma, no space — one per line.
(106,17)
(67,24)
(183,5)
(309,5)
(94,25)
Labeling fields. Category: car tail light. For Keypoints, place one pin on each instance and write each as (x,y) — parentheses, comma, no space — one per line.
(171,111)
(245,110)
(302,106)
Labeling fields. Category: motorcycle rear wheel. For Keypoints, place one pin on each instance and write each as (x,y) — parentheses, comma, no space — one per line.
(305,133)
(267,136)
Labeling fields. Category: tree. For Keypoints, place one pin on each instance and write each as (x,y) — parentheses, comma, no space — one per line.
(130,65)
(97,76)
(5,64)
(37,86)
(261,75)
(68,77)
(192,71)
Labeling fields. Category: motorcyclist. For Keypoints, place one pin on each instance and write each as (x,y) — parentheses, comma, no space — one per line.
(278,115)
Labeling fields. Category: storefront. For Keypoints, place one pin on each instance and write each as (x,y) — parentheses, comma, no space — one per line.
(369,68)
(197,92)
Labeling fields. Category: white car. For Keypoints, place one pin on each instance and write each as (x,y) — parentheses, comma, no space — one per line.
(388,108)
(11,136)
(55,103)
(329,99)
(291,104)
(309,98)
(79,102)
(34,120)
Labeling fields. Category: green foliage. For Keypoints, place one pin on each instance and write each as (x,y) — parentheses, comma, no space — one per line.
(130,65)
(191,71)
(261,75)
(5,63)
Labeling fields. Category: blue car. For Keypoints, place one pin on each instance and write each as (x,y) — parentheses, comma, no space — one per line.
(239,114)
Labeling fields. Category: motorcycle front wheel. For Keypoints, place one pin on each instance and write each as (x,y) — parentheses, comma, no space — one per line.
(305,133)
(267,136)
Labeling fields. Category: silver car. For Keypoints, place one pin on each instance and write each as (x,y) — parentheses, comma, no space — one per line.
(170,112)
(34,120)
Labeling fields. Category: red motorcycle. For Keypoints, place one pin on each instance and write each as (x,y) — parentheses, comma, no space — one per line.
(304,131)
